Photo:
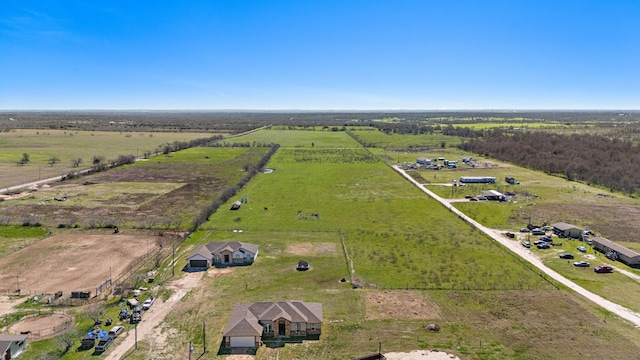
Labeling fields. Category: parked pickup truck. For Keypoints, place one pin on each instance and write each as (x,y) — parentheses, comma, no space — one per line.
(104,344)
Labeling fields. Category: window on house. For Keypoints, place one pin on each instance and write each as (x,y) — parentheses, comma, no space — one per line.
(267,328)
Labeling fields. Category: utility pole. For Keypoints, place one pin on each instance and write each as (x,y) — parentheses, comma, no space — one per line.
(136,334)
(173,260)
(190,349)
(204,337)
(18,283)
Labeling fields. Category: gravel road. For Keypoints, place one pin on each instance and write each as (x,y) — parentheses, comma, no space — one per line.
(526,254)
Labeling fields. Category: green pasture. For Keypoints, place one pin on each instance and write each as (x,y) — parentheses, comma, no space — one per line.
(397,238)
(379,139)
(299,138)
(339,207)
(14,238)
(42,145)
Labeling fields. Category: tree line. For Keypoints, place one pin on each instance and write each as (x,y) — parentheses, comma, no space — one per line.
(598,160)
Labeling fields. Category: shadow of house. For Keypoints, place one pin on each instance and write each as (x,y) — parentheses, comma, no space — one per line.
(221,254)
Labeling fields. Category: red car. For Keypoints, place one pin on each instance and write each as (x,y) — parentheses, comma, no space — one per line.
(603,269)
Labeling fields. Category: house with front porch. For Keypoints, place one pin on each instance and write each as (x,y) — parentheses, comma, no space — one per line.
(250,323)
(222,254)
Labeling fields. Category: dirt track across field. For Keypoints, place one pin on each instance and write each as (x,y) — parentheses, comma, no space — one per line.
(154,317)
(72,262)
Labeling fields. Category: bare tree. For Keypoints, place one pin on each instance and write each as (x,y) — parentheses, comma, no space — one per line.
(93,311)
(66,340)
(53,160)
(76,162)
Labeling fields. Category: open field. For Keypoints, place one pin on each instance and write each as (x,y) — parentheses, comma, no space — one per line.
(42,145)
(14,238)
(72,262)
(138,195)
(365,205)
(340,208)
(374,138)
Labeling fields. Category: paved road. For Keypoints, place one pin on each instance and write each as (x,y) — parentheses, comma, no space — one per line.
(524,253)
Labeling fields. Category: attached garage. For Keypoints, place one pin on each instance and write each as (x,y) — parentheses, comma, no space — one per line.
(201,258)
(242,341)
(197,263)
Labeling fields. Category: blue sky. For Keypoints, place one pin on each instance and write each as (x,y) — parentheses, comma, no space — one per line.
(319,55)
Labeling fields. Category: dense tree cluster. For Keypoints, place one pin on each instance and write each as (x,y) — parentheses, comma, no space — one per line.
(594,159)
(416,122)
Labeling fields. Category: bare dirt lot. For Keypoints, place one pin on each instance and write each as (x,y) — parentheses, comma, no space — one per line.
(321,248)
(400,305)
(72,262)
(42,326)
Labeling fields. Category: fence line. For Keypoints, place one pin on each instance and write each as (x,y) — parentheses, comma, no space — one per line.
(46,332)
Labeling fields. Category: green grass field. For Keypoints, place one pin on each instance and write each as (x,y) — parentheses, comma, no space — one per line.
(397,238)
(339,207)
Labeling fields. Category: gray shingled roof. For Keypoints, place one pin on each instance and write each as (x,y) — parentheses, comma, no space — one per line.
(244,320)
(216,247)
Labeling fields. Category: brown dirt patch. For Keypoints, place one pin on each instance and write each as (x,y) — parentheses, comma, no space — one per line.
(319,248)
(42,326)
(392,304)
(73,262)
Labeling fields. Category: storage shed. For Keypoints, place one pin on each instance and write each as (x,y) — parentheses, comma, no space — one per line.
(565,230)
(494,195)
(616,252)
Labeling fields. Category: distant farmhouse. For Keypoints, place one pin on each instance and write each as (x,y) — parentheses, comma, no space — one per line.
(222,254)
(250,323)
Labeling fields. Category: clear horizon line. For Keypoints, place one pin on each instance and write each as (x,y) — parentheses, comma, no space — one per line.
(321,110)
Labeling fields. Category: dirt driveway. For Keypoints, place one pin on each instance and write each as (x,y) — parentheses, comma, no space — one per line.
(154,316)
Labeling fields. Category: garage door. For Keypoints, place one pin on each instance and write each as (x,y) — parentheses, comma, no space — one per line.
(246,341)
(198,263)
